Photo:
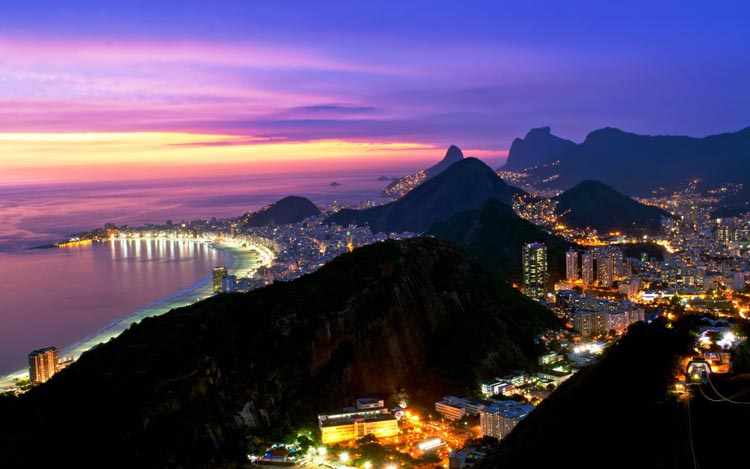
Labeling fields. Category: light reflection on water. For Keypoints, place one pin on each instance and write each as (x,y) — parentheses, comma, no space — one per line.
(57,296)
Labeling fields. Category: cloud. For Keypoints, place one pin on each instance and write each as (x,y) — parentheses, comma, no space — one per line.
(332,109)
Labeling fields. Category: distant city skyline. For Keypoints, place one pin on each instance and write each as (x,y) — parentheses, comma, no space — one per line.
(121,92)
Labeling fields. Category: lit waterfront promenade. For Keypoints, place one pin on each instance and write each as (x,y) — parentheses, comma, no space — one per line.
(250,253)
(265,248)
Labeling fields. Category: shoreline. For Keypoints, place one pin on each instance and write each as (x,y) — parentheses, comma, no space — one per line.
(242,260)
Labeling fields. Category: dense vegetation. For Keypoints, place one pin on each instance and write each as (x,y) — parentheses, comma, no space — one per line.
(494,234)
(465,185)
(596,205)
(192,388)
(650,250)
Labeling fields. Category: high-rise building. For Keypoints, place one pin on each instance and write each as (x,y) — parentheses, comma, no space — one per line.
(42,365)
(587,268)
(499,418)
(605,269)
(723,232)
(618,263)
(219,274)
(571,265)
(229,284)
(535,273)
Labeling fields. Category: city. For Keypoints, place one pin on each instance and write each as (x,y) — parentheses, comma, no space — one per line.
(374,235)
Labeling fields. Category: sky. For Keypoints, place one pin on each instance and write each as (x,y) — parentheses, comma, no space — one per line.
(93,90)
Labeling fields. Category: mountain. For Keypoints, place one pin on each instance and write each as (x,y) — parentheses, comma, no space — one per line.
(596,205)
(453,155)
(495,235)
(463,186)
(201,385)
(288,210)
(637,164)
(539,147)
(399,187)
(619,413)
(734,205)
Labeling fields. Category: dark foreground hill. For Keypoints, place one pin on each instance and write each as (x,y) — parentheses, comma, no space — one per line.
(194,387)
(291,209)
(596,205)
(618,413)
(495,235)
(637,164)
(465,185)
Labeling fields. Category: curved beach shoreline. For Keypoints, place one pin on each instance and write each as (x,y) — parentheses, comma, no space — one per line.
(244,261)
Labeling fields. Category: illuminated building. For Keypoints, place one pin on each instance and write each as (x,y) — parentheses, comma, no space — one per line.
(720,362)
(738,281)
(587,268)
(335,428)
(610,316)
(535,273)
(456,408)
(451,408)
(633,288)
(550,358)
(429,445)
(229,284)
(218,276)
(42,365)
(465,458)
(571,265)
(499,418)
(723,232)
(605,269)
(589,323)
(495,387)
(367,403)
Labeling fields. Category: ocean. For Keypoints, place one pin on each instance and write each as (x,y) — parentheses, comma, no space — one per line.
(72,298)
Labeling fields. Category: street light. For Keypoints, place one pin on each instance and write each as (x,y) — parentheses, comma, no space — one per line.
(344,456)
(367,465)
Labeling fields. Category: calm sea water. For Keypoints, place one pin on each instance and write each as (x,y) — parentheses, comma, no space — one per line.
(31,215)
(73,298)
(62,297)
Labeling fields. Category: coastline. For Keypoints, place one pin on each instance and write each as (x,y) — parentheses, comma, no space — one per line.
(244,261)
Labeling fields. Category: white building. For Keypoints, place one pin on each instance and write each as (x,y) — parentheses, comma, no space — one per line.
(498,419)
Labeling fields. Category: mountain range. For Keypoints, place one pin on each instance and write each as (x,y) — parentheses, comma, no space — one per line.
(201,385)
(635,164)
(538,148)
(399,187)
(291,209)
(464,185)
(596,205)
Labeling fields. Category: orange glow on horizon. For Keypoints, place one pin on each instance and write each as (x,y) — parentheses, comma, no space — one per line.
(97,155)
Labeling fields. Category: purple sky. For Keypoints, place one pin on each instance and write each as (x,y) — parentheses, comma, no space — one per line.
(476,74)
